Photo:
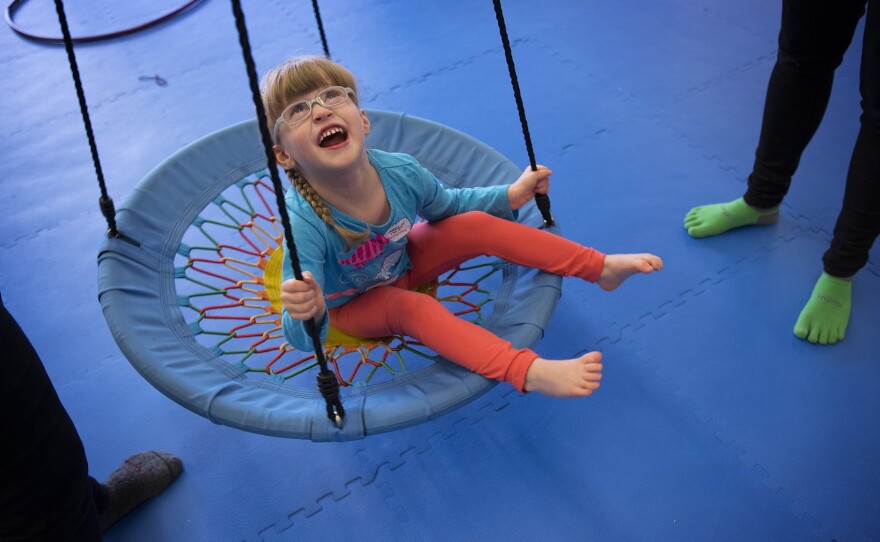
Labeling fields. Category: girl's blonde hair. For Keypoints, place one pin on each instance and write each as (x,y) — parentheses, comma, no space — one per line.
(290,79)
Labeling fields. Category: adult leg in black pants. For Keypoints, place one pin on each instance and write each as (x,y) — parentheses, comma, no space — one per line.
(46,492)
(814,36)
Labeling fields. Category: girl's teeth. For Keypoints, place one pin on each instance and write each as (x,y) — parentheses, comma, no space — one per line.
(330,132)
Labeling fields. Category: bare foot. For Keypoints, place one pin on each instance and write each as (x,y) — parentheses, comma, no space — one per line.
(619,267)
(577,377)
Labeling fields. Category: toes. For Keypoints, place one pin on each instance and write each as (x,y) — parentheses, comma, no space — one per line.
(649,263)
(593,358)
(837,335)
(817,334)
(695,232)
(586,388)
(691,220)
(593,374)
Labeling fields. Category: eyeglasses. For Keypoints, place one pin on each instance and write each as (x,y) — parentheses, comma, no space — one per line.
(298,112)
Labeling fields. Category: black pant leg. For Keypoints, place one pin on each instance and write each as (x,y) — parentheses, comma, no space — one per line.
(858,223)
(45,490)
(813,38)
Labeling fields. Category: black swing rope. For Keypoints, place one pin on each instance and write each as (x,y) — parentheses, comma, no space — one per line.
(104,201)
(541,200)
(321,28)
(327,383)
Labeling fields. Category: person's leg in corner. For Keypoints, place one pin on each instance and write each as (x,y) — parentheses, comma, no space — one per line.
(45,489)
(825,316)
(46,492)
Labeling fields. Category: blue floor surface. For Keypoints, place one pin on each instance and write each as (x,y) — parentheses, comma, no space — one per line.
(713,421)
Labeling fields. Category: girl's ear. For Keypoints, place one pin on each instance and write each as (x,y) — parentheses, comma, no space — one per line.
(366,122)
(284,160)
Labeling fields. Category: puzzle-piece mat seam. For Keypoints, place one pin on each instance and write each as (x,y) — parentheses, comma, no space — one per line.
(374,470)
(751,465)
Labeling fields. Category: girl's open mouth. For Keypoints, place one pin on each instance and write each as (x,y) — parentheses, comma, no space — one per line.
(333,137)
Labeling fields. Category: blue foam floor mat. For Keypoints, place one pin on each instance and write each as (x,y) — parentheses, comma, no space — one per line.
(713,421)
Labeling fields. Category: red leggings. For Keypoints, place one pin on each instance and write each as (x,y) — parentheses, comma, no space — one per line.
(437,247)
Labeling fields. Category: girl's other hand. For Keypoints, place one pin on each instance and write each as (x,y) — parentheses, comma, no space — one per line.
(529,183)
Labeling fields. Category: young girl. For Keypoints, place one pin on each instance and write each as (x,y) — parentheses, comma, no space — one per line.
(353,213)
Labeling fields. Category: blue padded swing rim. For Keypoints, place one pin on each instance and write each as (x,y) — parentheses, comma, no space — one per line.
(136,286)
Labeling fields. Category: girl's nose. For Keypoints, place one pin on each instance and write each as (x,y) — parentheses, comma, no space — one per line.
(319,112)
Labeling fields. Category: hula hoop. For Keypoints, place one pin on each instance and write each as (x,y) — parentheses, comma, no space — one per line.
(16,4)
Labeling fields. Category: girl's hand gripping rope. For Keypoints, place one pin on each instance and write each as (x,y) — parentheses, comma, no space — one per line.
(529,183)
(303,299)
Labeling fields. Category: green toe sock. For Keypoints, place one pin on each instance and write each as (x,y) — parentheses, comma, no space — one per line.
(142,476)
(718,218)
(826,315)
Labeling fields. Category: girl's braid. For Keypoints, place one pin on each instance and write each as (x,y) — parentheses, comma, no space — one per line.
(352,238)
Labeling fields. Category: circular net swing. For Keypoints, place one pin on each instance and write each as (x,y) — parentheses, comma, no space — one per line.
(193,301)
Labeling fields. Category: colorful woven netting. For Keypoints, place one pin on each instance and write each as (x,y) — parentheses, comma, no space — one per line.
(228,276)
